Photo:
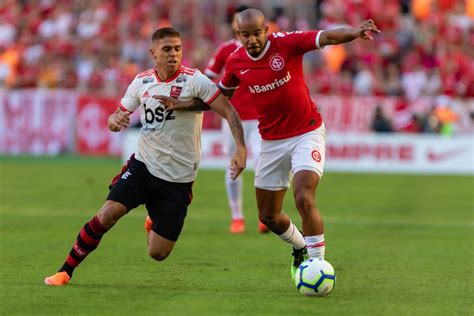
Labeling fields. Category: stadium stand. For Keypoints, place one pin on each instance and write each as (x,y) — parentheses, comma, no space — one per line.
(96,46)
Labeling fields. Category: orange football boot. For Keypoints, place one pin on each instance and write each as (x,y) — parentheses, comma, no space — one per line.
(237,226)
(58,279)
(262,228)
(148,223)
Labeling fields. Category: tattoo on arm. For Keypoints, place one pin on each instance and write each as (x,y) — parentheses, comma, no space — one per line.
(198,105)
(236,127)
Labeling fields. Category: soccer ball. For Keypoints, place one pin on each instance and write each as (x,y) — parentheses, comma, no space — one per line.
(315,277)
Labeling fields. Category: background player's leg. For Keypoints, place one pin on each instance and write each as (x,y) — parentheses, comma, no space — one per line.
(159,247)
(233,188)
(254,141)
(234,197)
(305,183)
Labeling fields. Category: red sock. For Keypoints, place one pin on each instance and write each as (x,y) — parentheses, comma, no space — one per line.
(87,240)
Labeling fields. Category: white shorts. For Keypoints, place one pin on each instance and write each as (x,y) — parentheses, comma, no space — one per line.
(252,140)
(280,159)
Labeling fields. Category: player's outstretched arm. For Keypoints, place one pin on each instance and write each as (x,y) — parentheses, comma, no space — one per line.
(344,35)
(118,120)
(194,104)
(222,107)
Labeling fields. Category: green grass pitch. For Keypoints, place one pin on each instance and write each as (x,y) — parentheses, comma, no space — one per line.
(400,245)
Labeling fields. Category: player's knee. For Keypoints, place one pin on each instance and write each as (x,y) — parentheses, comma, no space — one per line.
(158,254)
(304,202)
(267,218)
(110,213)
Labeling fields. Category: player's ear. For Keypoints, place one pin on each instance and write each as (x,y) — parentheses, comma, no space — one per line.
(152,52)
(266,29)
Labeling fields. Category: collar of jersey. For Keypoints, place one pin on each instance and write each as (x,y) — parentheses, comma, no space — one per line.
(176,74)
(264,51)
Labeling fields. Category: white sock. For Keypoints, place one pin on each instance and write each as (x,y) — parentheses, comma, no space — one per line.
(316,246)
(293,236)
(234,195)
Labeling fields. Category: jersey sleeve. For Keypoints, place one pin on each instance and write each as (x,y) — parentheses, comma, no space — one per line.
(204,88)
(216,63)
(229,80)
(130,100)
(300,41)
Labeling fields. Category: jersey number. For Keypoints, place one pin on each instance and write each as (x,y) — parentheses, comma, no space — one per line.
(158,115)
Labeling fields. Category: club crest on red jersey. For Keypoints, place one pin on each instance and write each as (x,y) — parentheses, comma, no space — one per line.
(316,155)
(277,62)
(175,91)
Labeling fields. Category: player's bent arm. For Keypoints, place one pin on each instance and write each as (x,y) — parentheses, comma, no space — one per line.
(222,107)
(344,35)
(194,104)
(118,120)
(198,105)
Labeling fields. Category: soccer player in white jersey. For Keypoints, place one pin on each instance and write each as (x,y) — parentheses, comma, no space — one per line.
(292,129)
(162,172)
(242,102)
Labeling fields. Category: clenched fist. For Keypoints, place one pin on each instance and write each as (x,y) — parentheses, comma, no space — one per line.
(118,120)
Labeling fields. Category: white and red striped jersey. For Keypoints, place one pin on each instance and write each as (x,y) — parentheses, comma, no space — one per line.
(170,141)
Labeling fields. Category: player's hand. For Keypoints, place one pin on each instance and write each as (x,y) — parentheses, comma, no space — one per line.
(238,163)
(173,103)
(366,28)
(118,120)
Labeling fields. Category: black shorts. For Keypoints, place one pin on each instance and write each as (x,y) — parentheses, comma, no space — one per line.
(166,202)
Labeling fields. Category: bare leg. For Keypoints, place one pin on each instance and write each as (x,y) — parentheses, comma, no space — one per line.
(305,183)
(159,247)
(269,205)
(110,213)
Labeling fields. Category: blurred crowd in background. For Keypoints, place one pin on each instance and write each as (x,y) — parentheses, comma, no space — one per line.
(94,46)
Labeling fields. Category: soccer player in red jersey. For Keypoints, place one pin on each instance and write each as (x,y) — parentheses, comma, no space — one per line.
(293,132)
(292,129)
(242,102)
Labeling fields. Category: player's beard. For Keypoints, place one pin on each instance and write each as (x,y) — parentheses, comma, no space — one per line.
(254,51)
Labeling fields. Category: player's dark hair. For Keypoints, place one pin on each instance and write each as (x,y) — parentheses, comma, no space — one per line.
(238,9)
(241,8)
(165,32)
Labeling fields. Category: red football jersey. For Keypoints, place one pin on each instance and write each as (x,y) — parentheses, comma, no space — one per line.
(276,84)
(218,59)
(242,99)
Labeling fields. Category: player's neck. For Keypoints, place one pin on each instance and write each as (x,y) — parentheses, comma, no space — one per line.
(164,73)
